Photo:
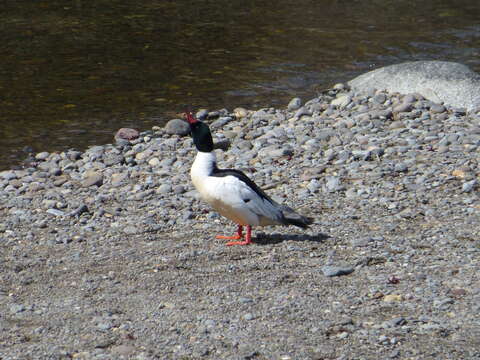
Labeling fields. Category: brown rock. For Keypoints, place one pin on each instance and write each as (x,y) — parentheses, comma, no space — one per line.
(127,134)
(92,178)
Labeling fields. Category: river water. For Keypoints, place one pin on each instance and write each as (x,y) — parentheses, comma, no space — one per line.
(73,72)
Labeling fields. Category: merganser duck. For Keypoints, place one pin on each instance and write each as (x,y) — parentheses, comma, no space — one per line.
(232,193)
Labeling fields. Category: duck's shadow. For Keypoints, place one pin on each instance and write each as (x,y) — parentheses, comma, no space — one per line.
(269,239)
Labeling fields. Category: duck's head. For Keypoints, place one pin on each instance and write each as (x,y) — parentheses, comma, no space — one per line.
(202,138)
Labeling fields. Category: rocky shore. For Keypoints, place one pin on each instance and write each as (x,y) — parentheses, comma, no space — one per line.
(109,253)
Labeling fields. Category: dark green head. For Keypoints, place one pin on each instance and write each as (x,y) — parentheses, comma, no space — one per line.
(202,138)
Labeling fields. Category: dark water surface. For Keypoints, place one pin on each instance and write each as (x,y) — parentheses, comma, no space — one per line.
(73,72)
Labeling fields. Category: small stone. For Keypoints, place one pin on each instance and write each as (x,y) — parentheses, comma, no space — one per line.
(127,134)
(123,350)
(301,112)
(17,308)
(332,271)
(154,162)
(240,112)
(118,179)
(437,108)
(312,173)
(55,171)
(403,107)
(143,155)
(55,212)
(443,304)
(113,159)
(341,101)
(130,230)
(164,189)
(74,155)
(458,292)
(401,167)
(35,186)
(351,193)
(380,98)
(92,178)
(79,210)
(382,339)
(104,326)
(201,114)
(459,173)
(469,186)
(42,156)
(244,300)
(392,298)
(398,321)
(177,127)
(333,184)
(294,104)
(178,189)
(8,175)
(443,149)
(361,242)
(364,155)
(396,125)
(313,185)
(407,213)
(409,99)
(248,316)
(220,122)
(222,144)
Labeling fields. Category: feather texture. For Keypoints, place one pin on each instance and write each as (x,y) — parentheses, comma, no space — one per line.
(237,197)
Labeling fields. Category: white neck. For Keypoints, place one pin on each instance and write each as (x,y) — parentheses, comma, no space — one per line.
(203,164)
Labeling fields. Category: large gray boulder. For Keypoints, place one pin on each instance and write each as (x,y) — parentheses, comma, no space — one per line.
(439,81)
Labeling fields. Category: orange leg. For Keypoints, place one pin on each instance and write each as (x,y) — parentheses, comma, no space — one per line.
(237,236)
(248,237)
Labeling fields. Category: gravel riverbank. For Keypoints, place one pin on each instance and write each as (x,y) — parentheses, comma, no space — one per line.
(109,254)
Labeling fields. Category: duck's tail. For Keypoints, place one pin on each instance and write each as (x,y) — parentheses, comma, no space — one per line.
(290,217)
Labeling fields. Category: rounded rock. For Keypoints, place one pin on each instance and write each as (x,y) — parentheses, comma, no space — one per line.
(127,134)
(403,107)
(437,108)
(294,104)
(177,127)
(42,156)
(92,178)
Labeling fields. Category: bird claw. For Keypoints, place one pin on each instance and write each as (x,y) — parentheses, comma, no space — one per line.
(238,236)
(234,237)
(233,243)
